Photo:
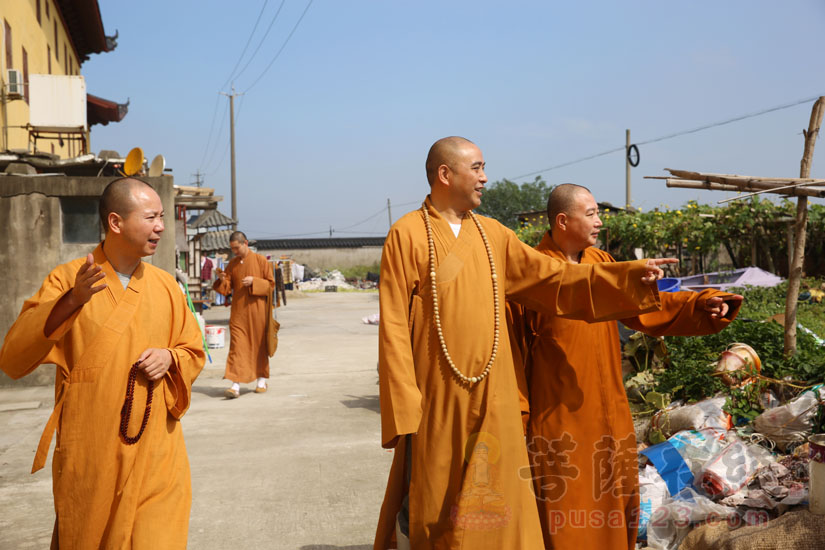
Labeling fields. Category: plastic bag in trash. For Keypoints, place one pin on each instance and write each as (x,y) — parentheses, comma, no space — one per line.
(652,492)
(679,460)
(671,522)
(733,468)
(792,422)
(704,414)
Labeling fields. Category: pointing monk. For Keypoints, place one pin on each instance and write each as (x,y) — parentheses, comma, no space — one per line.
(580,435)
(249,278)
(448,388)
(127,350)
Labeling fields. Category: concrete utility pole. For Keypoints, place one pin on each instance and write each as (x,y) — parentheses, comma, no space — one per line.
(389,211)
(232,152)
(627,169)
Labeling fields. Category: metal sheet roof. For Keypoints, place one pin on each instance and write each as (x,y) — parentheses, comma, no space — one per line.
(211,218)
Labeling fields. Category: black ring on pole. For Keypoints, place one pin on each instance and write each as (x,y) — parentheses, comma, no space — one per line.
(630,150)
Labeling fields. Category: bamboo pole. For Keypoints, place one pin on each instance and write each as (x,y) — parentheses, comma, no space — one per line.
(795,275)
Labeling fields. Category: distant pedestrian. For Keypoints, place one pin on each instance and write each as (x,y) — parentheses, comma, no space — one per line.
(248,278)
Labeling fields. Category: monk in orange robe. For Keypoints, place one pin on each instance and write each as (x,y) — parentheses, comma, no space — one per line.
(448,390)
(580,435)
(250,280)
(119,481)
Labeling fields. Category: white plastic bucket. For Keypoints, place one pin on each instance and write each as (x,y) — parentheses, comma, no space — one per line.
(215,336)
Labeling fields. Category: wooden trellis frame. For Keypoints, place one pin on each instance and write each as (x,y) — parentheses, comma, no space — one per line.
(801,187)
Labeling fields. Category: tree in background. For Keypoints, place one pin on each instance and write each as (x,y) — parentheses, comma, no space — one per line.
(505,199)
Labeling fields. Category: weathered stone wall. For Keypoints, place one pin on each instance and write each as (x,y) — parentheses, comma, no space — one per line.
(32,244)
(328,258)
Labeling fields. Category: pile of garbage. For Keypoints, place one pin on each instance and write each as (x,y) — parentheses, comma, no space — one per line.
(699,465)
(324,280)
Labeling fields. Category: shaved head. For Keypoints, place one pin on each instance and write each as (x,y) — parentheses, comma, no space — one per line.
(561,200)
(443,151)
(118,197)
(237,237)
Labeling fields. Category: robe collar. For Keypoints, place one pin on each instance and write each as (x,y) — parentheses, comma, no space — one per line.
(549,247)
(441,222)
(114,286)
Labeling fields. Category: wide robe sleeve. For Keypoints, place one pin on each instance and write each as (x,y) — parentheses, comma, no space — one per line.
(683,314)
(587,292)
(223,285)
(520,342)
(262,286)
(187,355)
(400,398)
(26,346)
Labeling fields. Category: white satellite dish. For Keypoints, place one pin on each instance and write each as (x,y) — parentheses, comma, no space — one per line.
(157,166)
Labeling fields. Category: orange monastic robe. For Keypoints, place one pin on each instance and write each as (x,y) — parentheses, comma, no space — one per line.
(470,480)
(248,357)
(580,434)
(108,494)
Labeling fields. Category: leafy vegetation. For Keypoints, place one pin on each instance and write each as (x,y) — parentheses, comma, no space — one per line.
(504,200)
(686,369)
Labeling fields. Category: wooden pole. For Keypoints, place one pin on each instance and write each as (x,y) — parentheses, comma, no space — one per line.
(795,275)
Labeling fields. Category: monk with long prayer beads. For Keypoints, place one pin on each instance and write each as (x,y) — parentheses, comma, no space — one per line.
(127,350)
(448,388)
(580,436)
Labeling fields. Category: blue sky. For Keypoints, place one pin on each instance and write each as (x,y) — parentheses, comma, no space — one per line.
(343,118)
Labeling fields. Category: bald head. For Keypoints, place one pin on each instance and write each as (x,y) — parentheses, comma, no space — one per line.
(443,151)
(238,237)
(562,199)
(118,197)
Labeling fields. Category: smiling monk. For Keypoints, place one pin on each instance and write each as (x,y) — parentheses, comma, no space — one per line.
(580,435)
(448,390)
(115,327)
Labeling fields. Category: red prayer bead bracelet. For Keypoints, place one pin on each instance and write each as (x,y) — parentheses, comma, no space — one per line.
(126,411)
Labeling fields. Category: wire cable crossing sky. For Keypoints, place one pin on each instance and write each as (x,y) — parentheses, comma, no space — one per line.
(344,99)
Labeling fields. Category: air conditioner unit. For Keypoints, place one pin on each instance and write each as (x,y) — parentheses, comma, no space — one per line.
(15,84)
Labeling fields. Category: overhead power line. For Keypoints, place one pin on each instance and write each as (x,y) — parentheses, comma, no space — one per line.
(248,41)
(263,39)
(211,128)
(673,135)
(277,55)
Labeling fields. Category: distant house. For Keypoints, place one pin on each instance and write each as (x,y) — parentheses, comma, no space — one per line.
(45,107)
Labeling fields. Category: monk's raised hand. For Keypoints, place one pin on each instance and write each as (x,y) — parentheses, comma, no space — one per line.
(154,362)
(247,281)
(84,281)
(653,272)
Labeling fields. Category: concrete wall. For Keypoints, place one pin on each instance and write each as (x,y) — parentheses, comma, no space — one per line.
(32,229)
(329,258)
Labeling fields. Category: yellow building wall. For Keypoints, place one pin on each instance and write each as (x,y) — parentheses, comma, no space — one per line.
(38,38)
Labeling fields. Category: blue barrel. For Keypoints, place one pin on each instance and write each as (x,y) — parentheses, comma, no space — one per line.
(669,284)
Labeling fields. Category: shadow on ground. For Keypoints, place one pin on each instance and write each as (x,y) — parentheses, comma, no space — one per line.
(211,391)
(369,402)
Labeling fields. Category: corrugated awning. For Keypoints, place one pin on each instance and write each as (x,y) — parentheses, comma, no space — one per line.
(103,111)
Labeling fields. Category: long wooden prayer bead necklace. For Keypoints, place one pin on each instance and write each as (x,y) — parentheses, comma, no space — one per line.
(126,411)
(431,246)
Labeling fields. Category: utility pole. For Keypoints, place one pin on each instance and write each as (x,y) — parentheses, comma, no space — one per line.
(627,169)
(232,152)
(198,180)
(330,231)
(389,211)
